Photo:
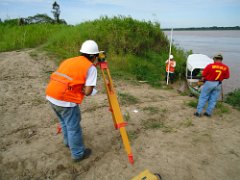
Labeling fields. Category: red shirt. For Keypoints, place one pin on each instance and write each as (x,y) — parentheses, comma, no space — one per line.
(216,71)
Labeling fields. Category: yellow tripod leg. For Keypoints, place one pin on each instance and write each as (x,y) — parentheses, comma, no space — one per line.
(115,109)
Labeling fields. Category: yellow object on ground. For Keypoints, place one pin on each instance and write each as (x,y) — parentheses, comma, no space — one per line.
(146,175)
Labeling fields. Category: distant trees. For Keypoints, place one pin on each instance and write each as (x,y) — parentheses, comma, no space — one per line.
(38,18)
(204,28)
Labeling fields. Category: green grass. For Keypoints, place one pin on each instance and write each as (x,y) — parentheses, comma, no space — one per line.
(135,49)
(127,116)
(132,135)
(20,37)
(127,99)
(221,108)
(192,103)
(157,124)
(187,123)
(151,109)
(233,98)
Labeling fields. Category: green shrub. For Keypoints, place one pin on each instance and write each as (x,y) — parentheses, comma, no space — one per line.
(221,108)
(233,98)
(192,103)
(134,48)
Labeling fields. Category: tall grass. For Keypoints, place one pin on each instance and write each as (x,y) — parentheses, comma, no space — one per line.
(134,48)
(20,37)
(233,98)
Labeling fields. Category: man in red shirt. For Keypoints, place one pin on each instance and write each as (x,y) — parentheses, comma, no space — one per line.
(213,75)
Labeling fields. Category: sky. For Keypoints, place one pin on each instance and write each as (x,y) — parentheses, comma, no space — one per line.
(169,13)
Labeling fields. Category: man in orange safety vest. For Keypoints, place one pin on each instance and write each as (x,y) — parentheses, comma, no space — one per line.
(75,78)
(170,68)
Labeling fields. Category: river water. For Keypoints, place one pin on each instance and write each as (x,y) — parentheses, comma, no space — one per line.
(210,43)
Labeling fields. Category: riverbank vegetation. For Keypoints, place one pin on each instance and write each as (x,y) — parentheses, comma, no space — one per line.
(233,98)
(135,49)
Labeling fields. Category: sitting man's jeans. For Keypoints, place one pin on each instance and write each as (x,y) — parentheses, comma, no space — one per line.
(210,92)
(70,118)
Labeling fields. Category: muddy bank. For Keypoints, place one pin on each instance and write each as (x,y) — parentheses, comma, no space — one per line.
(165,136)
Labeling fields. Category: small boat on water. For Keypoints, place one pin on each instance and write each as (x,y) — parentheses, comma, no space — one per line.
(194,67)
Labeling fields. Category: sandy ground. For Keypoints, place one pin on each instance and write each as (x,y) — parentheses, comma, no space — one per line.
(165,136)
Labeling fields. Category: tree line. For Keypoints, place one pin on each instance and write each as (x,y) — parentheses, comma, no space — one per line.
(203,28)
(38,18)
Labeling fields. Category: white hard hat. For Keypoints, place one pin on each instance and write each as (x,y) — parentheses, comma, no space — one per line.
(171,57)
(89,47)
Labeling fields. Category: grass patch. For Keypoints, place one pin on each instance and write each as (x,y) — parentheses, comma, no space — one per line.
(126,116)
(157,124)
(233,98)
(187,123)
(127,99)
(135,49)
(151,109)
(221,108)
(132,135)
(192,103)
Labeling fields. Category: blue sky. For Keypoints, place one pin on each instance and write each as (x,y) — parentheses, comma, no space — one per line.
(169,13)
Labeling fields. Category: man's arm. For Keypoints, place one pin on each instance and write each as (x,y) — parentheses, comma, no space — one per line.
(174,64)
(227,74)
(87,90)
(91,81)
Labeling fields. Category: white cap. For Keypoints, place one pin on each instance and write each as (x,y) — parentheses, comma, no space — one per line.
(171,56)
(89,47)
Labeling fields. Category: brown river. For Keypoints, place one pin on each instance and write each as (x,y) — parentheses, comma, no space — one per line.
(212,42)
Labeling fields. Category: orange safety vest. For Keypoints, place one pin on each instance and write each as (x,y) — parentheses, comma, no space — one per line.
(171,68)
(67,82)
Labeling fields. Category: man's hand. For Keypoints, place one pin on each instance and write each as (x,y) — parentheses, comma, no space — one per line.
(87,90)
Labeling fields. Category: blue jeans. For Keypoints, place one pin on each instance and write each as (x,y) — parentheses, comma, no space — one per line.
(210,92)
(70,118)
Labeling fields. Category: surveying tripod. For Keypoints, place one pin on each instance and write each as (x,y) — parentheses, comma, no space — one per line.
(114,105)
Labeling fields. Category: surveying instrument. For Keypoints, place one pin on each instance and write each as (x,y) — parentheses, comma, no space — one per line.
(114,104)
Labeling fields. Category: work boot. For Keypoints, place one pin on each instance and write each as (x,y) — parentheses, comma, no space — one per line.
(87,153)
(206,114)
(197,114)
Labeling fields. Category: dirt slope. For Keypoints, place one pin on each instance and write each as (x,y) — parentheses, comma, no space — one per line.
(165,136)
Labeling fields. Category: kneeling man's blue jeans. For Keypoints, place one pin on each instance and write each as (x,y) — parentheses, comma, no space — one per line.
(70,118)
(210,92)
